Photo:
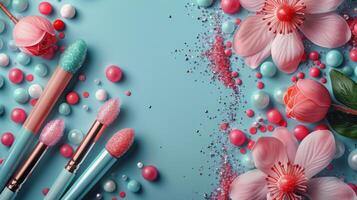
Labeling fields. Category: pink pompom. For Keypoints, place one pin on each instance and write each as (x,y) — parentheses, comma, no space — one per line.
(35,35)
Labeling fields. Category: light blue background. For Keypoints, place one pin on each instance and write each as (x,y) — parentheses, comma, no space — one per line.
(140,37)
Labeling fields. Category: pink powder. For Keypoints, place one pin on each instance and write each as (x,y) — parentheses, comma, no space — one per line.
(227,175)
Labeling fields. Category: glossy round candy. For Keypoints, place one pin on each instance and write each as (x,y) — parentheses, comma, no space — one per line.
(58,25)
(340,149)
(204,3)
(66,150)
(64,109)
(72,98)
(352,159)
(2,26)
(300,132)
(133,186)
(113,73)
(347,70)
(228,27)
(21,95)
(334,58)
(68,11)
(23,58)
(12,46)
(314,72)
(35,91)
(45,8)
(109,186)
(237,137)
(4,60)
(16,75)
(75,136)
(268,69)
(230,6)
(18,115)
(260,99)
(20,5)
(2,81)
(353,55)
(150,173)
(274,116)
(41,70)
(7,139)
(101,95)
(314,55)
(279,95)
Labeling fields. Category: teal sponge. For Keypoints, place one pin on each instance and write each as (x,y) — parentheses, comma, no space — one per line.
(73,57)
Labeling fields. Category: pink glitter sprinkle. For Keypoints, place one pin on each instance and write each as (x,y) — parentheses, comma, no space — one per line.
(82,77)
(238,21)
(33,102)
(85,94)
(224,126)
(128,93)
(323,80)
(61,35)
(228,44)
(235,74)
(238,81)
(242,151)
(227,175)
(1,161)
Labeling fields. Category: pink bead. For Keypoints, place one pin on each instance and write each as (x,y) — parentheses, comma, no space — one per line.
(314,72)
(45,191)
(239,81)
(72,98)
(300,132)
(229,44)
(66,150)
(7,139)
(274,116)
(224,126)
(228,52)
(353,55)
(149,173)
(250,144)
(230,6)
(258,75)
(45,8)
(294,79)
(301,75)
(321,127)
(237,137)
(323,80)
(250,113)
(113,73)
(16,75)
(82,77)
(128,93)
(314,55)
(18,115)
(260,85)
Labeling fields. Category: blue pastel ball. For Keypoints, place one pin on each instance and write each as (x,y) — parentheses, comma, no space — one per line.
(23,58)
(204,3)
(260,100)
(228,27)
(64,109)
(20,5)
(334,58)
(41,70)
(75,136)
(12,46)
(347,70)
(21,95)
(268,69)
(133,186)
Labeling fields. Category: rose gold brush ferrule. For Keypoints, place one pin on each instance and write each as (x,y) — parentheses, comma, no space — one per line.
(25,170)
(8,13)
(91,138)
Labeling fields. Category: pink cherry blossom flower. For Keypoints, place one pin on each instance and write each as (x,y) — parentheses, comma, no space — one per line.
(285,169)
(275,30)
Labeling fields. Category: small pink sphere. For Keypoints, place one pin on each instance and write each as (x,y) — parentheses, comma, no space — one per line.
(353,55)
(230,6)
(250,113)
(45,8)
(314,72)
(45,191)
(314,55)
(321,127)
(150,173)
(16,75)
(274,116)
(7,139)
(66,150)
(250,144)
(300,132)
(237,137)
(18,115)
(113,73)
(301,75)
(72,98)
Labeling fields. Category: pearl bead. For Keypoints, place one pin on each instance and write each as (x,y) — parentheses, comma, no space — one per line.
(23,58)
(35,91)
(68,11)
(228,27)
(21,95)
(2,81)
(268,69)
(64,109)
(260,100)
(140,165)
(340,149)
(247,161)
(4,60)
(334,58)
(279,95)
(2,110)
(75,136)
(124,177)
(99,196)
(12,46)
(101,95)
(109,186)
(352,159)
(347,70)
(133,186)
(20,5)
(204,3)
(41,70)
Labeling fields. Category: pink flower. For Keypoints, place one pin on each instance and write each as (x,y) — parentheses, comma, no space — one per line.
(275,30)
(285,170)
(307,101)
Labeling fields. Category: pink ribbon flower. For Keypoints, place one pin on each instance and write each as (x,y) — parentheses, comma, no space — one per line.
(307,101)
(285,169)
(275,30)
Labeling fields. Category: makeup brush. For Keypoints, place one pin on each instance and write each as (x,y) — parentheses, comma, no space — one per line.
(50,135)
(71,60)
(106,115)
(117,145)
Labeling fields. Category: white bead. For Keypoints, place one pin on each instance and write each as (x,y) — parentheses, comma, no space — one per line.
(101,95)
(140,165)
(68,11)
(109,186)
(35,91)
(4,60)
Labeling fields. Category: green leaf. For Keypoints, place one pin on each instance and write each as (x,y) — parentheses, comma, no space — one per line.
(344,89)
(343,123)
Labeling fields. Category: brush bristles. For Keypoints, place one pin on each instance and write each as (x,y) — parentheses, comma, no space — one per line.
(109,111)
(120,142)
(52,132)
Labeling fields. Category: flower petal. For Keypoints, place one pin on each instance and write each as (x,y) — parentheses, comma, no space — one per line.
(315,7)
(253,6)
(317,28)
(252,36)
(330,188)
(314,91)
(287,51)
(249,186)
(255,60)
(289,141)
(267,152)
(316,152)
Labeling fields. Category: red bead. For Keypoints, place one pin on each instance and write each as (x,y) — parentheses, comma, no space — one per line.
(260,85)
(7,139)
(29,77)
(323,80)
(18,115)
(274,116)
(229,44)
(85,94)
(315,72)
(228,52)
(238,21)
(294,79)
(237,137)
(61,35)
(321,127)
(113,73)
(303,57)
(314,55)
(45,191)
(322,66)
(250,113)
(258,75)
(263,129)
(235,74)
(353,55)
(82,77)
(58,25)
(285,13)
(72,98)
(16,75)
(300,132)
(150,173)
(250,144)
(242,151)
(283,123)
(122,194)
(270,128)
(301,75)
(66,150)
(230,6)
(45,8)
(253,130)
(33,102)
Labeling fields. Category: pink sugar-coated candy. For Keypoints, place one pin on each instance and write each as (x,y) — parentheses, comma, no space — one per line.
(66,150)
(18,115)
(274,116)
(7,139)
(300,132)
(237,137)
(149,173)
(45,8)
(52,132)
(113,73)
(120,142)
(16,75)
(109,111)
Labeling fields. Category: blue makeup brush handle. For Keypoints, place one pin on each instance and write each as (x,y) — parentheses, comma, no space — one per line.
(7,194)
(60,185)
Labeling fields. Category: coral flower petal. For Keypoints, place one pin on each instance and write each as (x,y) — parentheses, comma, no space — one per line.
(315,7)
(330,188)
(249,186)
(289,141)
(254,61)
(252,6)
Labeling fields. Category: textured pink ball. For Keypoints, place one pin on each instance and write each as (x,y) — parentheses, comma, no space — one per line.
(300,132)
(16,75)
(230,6)
(150,173)
(18,115)
(7,139)
(45,8)
(237,137)
(274,116)
(113,73)
(66,150)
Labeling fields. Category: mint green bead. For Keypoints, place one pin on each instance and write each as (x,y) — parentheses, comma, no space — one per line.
(64,109)
(268,69)
(20,5)
(279,95)
(260,100)
(228,27)
(2,81)
(347,70)
(334,58)
(2,110)
(75,136)
(2,26)
(12,46)
(204,3)
(41,70)
(133,186)
(21,95)
(23,58)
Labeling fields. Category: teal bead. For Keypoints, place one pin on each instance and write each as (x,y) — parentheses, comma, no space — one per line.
(41,70)
(260,100)
(133,186)
(347,70)
(20,5)
(2,110)
(334,58)
(21,95)
(2,81)
(228,27)
(356,71)
(75,136)
(64,109)
(279,95)
(12,46)
(268,69)
(204,3)
(2,26)
(23,58)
